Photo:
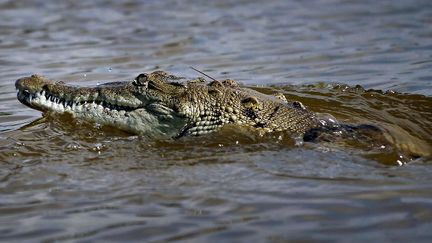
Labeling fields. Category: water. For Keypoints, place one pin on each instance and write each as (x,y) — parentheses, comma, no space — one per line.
(66,180)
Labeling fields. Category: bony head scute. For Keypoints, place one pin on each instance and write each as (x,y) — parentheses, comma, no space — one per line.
(160,75)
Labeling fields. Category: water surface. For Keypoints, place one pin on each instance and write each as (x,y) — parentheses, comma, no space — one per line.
(63,180)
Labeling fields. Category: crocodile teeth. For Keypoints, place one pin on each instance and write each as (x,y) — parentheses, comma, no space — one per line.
(44,99)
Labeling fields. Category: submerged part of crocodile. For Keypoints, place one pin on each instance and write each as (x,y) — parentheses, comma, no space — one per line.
(159,105)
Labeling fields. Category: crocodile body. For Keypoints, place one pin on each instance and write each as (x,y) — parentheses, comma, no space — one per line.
(161,105)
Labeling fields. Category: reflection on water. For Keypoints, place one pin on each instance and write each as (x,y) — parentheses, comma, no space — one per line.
(68,180)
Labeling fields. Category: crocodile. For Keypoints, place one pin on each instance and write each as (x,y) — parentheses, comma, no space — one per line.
(162,105)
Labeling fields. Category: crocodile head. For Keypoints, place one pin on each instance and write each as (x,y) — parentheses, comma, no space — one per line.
(146,105)
(158,105)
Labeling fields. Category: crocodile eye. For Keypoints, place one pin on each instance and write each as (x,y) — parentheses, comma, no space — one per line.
(141,80)
(299,105)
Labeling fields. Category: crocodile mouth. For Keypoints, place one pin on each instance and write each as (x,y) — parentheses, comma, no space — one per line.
(45,95)
(44,100)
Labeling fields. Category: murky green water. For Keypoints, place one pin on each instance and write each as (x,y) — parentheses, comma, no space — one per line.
(66,180)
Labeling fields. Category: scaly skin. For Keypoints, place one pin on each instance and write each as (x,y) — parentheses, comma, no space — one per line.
(158,105)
